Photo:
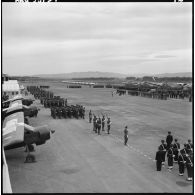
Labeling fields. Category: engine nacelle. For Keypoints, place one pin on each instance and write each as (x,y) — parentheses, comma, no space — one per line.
(31,111)
(27,102)
(38,136)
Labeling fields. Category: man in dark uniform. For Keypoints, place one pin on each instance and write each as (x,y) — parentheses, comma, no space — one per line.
(189,166)
(170,157)
(163,148)
(99,125)
(94,124)
(169,139)
(125,136)
(176,148)
(108,125)
(90,116)
(159,159)
(184,150)
(181,163)
(189,147)
(103,122)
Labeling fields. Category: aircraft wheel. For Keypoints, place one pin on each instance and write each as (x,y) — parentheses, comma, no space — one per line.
(30,159)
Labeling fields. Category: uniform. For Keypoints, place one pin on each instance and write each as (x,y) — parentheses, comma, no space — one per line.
(163,148)
(99,125)
(176,148)
(125,136)
(103,123)
(189,147)
(90,116)
(181,163)
(108,125)
(170,157)
(169,140)
(94,124)
(189,166)
(159,160)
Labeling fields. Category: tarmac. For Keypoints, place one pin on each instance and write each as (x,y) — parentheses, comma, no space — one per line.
(76,160)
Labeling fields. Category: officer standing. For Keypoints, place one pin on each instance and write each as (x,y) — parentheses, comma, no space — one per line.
(169,139)
(94,124)
(108,125)
(159,159)
(189,166)
(103,122)
(125,136)
(99,125)
(90,116)
(176,148)
(163,148)
(170,157)
(181,163)
(189,147)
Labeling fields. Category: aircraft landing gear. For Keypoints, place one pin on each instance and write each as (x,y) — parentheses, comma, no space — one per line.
(30,147)
(30,158)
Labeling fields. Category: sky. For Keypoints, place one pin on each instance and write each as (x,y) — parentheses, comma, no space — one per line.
(128,38)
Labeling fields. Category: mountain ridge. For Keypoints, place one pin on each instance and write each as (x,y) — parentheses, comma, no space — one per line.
(109,74)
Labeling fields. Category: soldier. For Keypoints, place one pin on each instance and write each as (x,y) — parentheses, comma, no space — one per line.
(94,124)
(176,148)
(103,122)
(90,116)
(163,148)
(189,166)
(108,125)
(184,150)
(169,139)
(189,147)
(170,157)
(99,125)
(159,159)
(181,163)
(125,136)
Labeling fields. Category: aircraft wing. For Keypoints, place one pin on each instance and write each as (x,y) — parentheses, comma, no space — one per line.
(13,132)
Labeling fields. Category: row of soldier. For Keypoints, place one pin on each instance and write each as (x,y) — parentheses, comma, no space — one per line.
(56,101)
(68,112)
(38,92)
(99,123)
(59,106)
(184,156)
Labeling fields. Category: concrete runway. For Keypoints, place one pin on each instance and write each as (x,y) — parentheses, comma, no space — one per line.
(78,160)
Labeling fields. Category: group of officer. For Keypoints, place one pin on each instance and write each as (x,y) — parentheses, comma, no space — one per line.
(66,111)
(99,123)
(184,156)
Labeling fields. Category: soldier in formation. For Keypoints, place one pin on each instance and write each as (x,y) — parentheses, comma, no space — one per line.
(99,125)
(176,148)
(125,135)
(103,122)
(163,148)
(183,157)
(108,125)
(90,116)
(159,159)
(169,139)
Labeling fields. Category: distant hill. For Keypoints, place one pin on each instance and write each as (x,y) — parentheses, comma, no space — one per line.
(179,74)
(96,74)
(82,75)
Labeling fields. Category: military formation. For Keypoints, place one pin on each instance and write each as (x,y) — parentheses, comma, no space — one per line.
(59,106)
(100,123)
(183,157)
(66,111)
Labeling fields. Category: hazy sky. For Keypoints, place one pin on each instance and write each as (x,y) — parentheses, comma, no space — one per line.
(47,38)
